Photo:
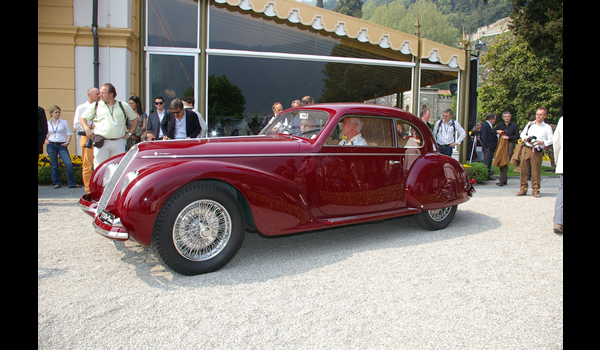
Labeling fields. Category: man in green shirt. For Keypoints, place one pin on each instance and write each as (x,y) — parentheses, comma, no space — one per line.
(109,116)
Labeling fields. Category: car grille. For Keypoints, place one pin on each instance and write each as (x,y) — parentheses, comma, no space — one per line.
(114,180)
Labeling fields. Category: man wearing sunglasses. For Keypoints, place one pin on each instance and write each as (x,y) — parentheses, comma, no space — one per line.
(180,123)
(156,117)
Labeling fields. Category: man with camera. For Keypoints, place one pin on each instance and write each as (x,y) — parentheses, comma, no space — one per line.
(109,116)
(87,154)
(536,135)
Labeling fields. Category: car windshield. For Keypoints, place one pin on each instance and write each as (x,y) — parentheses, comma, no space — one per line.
(303,123)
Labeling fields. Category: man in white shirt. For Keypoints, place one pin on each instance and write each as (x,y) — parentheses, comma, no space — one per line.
(536,135)
(87,154)
(445,131)
(351,128)
(156,117)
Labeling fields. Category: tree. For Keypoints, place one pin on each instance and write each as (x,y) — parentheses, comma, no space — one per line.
(518,81)
(224,98)
(349,7)
(540,24)
(434,24)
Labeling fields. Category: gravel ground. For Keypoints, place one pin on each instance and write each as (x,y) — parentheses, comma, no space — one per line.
(493,279)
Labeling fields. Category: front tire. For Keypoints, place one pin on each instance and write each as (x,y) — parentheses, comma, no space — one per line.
(436,219)
(199,229)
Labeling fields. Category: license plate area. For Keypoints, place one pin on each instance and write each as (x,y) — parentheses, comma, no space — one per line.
(106,217)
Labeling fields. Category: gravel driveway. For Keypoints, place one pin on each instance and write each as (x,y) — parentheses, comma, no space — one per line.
(493,279)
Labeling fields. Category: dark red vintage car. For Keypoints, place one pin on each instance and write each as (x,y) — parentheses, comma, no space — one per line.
(194,199)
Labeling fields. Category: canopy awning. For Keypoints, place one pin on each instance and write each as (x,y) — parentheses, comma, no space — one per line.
(354,28)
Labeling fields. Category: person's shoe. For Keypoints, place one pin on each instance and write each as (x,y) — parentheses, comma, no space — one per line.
(521,193)
(56,186)
(537,195)
(76,186)
(558,228)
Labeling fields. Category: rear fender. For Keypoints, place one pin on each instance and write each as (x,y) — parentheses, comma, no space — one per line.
(435,181)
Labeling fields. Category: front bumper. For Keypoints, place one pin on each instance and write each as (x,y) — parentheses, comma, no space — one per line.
(105,224)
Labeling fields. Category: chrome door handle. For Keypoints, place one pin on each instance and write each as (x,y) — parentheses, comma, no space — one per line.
(392,162)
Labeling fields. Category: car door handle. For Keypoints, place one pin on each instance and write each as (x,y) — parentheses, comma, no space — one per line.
(392,162)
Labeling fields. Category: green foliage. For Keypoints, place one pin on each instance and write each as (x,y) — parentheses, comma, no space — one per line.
(477,171)
(519,81)
(441,20)
(400,16)
(45,175)
(225,98)
(349,7)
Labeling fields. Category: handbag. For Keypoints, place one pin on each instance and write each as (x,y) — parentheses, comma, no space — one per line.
(97,140)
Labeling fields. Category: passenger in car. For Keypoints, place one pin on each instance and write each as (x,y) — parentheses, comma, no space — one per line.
(351,128)
(308,128)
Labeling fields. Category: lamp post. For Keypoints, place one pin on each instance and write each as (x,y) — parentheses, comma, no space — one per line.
(416,83)
(463,117)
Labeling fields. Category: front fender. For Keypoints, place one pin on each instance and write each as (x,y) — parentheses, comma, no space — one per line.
(436,181)
(276,203)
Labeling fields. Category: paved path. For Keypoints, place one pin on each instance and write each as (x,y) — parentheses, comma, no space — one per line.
(493,279)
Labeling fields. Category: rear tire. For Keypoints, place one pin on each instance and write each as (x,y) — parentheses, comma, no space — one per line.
(436,219)
(199,229)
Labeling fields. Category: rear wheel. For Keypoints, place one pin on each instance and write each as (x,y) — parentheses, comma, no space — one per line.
(436,219)
(199,229)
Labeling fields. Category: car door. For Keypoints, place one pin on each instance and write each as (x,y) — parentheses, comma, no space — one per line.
(354,179)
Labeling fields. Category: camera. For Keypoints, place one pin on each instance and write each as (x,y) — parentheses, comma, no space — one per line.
(530,139)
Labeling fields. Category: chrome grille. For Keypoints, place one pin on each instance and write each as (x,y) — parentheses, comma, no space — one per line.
(114,180)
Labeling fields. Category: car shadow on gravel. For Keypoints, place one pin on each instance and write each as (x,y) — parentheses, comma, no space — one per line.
(261,259)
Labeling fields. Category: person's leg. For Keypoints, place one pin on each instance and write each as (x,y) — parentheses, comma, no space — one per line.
(63,152)
(558,208)
(536,172)
(53,155)
(525,168)
(87,164)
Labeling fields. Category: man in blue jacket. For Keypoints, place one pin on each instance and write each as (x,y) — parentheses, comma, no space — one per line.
(489,140)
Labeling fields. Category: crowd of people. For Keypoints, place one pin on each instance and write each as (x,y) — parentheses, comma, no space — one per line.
(500,147)
(109,127)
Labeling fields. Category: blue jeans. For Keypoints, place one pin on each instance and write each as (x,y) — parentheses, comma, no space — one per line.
(53,152)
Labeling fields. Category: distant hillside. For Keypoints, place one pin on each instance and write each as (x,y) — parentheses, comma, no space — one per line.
(467,14)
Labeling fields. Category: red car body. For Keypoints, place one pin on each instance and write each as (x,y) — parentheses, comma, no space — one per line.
(284,183)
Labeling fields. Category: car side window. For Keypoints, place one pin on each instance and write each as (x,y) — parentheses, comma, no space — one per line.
(407,135)
(376,131)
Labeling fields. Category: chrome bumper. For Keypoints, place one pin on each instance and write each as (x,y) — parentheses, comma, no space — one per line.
(104,223)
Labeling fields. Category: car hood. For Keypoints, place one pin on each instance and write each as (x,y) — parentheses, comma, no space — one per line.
(235,145)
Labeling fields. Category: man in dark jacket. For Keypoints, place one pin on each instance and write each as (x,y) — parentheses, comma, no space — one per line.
(180,123)
(511,134)
(489,140)
(277,108)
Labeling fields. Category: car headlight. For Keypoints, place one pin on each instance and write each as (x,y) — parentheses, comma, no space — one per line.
(108,173)
(129,177)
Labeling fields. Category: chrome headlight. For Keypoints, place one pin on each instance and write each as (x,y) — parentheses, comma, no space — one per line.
(108,173)
(128,178)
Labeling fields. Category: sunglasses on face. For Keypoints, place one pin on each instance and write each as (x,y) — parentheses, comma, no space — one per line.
(159,103)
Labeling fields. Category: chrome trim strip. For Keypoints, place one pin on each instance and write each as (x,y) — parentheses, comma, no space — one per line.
(271,155)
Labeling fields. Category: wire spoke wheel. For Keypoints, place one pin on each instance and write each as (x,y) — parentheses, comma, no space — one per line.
(436,219)
(439,214)
(202,230)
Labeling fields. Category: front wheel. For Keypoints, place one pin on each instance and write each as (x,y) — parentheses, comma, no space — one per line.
(199,229)
(436,219)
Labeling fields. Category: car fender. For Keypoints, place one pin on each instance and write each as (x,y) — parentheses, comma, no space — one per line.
(276,203)
(435,181)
